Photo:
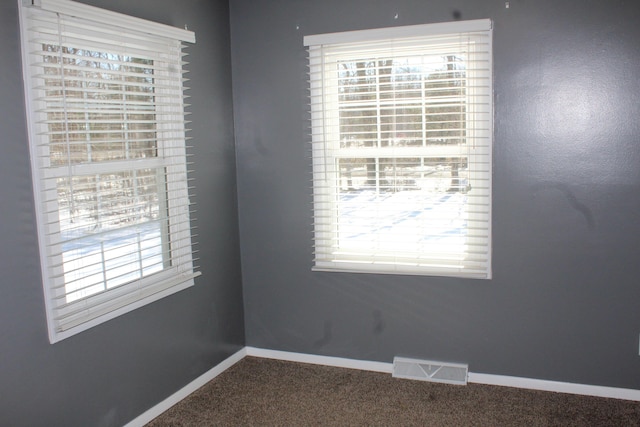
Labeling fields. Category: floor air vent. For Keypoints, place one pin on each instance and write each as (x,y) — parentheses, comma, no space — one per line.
(428,370)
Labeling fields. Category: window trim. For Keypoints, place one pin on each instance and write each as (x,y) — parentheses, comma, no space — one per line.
(147,289)
(326,230)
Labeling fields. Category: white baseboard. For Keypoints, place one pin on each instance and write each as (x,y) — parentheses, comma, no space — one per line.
(556,386)
(365,365)
(489,379)
(313,359)
(176,397)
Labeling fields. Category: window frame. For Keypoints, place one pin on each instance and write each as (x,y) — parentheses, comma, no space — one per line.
(326,150)
(177,271)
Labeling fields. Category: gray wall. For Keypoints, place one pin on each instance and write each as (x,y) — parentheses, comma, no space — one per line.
(112,373)
(563,303)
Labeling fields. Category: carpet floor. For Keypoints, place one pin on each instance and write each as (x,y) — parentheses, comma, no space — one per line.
(264,392)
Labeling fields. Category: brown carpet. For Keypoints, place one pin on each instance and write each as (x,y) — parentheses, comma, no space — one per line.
(263,392)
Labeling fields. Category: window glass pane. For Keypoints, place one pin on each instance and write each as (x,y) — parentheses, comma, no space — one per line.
(412,100)
(113,229)
(108,110)
(401,204)
(98,262)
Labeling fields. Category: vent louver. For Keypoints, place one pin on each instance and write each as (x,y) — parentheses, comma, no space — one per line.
(428,370)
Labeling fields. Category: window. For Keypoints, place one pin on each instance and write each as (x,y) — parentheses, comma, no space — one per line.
(401,124)
(107,139)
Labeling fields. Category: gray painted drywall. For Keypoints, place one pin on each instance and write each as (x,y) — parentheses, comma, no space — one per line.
(563,303)
(112,373)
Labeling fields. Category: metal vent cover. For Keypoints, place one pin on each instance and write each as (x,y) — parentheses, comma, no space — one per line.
(429,370)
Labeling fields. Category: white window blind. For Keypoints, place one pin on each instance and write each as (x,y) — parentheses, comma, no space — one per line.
(107,136)
(401,124)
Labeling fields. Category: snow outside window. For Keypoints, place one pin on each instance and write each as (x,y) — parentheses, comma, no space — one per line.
(107,137)
(401,143)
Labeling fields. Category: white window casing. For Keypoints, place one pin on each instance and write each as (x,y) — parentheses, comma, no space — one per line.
(105,103)
(401,128)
